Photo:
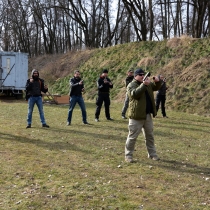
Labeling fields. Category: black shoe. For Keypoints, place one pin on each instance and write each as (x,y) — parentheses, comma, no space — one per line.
(45,126)
(124,117)
(28,126)
(109,119)
(86,123)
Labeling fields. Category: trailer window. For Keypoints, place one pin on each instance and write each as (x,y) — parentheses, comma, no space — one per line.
(8,65)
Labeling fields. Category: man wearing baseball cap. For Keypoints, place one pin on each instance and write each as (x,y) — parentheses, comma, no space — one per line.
(140,112)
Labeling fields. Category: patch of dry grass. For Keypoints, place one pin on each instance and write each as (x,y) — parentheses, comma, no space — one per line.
(148,61)
(183,41)
(53,67)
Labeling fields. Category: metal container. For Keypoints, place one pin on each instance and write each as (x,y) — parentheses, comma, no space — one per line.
(13,73)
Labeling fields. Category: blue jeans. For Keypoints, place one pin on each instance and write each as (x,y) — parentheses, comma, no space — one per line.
(38,101)
(80,101)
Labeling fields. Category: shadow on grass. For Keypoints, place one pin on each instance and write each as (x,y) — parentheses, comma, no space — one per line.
(61,145)
(68,145)
(88,105)
(182,167)
(95,135)
(176,125)
(183,121)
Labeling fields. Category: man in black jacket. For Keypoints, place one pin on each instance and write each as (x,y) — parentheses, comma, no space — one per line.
(76,89)
(34,87)
(161,96)
(103,84)
(128,79)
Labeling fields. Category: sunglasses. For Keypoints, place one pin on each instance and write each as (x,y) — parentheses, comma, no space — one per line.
(141,74)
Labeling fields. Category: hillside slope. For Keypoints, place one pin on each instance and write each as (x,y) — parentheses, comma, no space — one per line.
(184,61)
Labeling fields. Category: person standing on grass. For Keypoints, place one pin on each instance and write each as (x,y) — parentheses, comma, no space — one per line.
(76,89)
(104,84)
(128,79)
(141,107)
(161,96)
(34,87)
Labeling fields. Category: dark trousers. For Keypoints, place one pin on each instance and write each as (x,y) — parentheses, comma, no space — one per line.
(102,97)
(161,99)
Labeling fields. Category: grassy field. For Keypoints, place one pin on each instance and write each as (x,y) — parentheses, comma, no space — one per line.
(82,166)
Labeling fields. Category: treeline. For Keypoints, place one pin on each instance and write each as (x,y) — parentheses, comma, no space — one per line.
(57,26)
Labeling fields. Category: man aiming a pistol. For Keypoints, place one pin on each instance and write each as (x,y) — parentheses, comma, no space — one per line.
(140,112)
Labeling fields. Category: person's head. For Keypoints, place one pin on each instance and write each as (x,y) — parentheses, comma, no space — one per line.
(104,73)
(139,75)
(77,74)
(130,73)
(35,74)
(161,77)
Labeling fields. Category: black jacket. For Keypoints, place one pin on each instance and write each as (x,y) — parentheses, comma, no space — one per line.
(103,87)
(163,88)
(35,88)
(128,80)
(75,88)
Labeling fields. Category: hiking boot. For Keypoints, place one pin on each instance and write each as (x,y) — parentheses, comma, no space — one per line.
(45,126)
(28,126)
(129,159)
(156,158)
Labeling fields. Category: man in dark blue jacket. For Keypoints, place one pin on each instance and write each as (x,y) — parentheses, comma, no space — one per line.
(76,89)
(34,87)
(103,84)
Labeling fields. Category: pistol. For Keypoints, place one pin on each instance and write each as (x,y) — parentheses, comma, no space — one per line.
(147,75)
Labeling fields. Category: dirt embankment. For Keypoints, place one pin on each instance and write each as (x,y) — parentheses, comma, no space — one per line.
(184,61)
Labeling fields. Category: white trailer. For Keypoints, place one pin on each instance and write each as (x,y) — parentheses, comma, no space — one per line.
(13,73)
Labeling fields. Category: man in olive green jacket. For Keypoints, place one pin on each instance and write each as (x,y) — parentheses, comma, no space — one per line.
(141,107)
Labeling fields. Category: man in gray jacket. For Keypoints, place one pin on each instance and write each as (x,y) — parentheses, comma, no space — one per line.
(141,107)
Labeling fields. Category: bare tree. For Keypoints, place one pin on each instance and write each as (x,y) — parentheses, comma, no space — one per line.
(151,21)
(138,14)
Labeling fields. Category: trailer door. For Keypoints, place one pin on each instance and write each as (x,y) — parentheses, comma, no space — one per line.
(8,70)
